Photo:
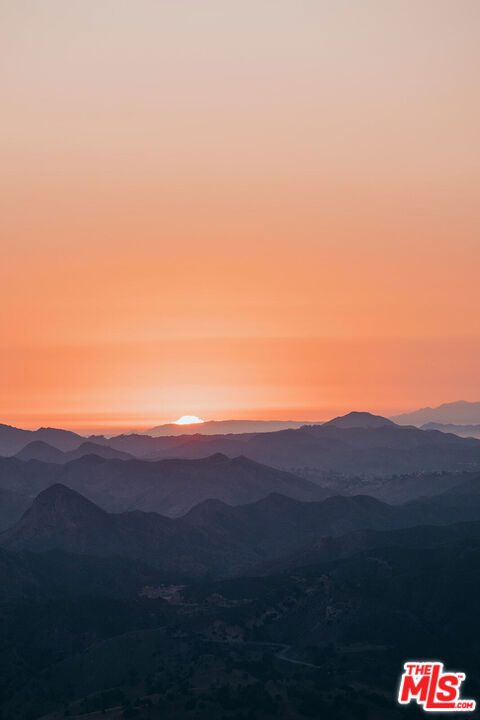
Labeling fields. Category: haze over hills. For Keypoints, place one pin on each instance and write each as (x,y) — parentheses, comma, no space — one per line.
(171,487)
(39,450)
(224,427)
(13,439)
(460,412)
(461,430)
(356,453)
(215,537)
(277,524)
(358,444)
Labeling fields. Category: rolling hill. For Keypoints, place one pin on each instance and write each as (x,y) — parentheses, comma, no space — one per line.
(39,450)
(61,519)
(170,487)
(215,537)
(13,439)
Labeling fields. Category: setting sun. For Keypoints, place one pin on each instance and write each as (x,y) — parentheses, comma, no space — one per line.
(188,420)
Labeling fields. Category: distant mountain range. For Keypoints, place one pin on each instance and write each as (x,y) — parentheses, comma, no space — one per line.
(13,439)
(277,524)
(224,427)
(218,538)
(461,430)
(170,487)
(39,450)
(358,444)
(460,412)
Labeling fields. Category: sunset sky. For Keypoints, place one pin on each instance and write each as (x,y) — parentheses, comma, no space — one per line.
(237,208)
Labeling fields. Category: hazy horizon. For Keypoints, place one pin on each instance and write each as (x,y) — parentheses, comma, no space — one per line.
(90,425)
(105,424)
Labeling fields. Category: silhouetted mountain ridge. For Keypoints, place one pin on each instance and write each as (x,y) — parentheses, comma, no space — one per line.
(13,439)
(223,427)
(357,419)
(170,487)
(460,412)
(358,444)
(62,519)
(39,450)
(215,537)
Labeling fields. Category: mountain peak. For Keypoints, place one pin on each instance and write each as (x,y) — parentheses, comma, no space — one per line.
(216,458)
(56,512)
(357,419)
(59,498)
(40,450)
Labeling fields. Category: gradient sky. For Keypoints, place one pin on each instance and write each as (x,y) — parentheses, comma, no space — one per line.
(237,208)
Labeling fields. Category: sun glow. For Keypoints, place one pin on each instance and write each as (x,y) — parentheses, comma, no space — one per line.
(188,420)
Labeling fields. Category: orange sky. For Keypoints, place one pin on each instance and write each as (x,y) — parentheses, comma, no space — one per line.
(237,209)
